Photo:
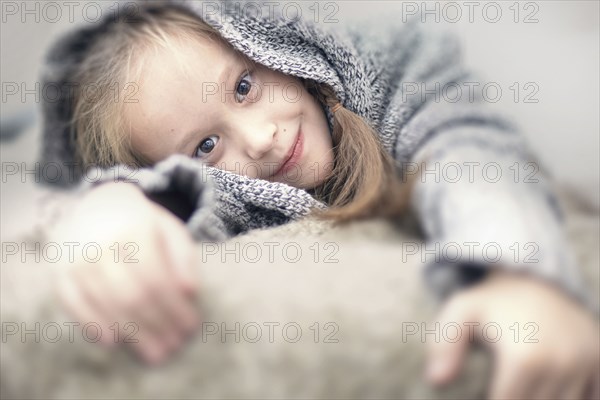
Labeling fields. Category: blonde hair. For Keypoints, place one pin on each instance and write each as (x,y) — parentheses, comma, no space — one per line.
(363,182)
(112,65)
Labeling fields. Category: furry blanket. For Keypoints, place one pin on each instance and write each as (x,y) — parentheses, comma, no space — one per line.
(330,312)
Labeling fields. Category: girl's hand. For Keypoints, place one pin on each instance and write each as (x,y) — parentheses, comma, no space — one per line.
(560,361)
(141,290)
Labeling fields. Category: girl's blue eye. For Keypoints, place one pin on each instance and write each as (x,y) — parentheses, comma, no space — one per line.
(244,86)
(206,146)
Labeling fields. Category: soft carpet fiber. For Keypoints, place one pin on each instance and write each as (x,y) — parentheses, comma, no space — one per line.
(357,283)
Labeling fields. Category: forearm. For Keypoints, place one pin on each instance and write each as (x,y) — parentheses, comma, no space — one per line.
(480,208)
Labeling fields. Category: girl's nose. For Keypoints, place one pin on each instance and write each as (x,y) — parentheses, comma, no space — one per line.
(258,140)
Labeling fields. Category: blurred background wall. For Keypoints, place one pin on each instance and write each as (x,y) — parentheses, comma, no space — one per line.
(556,50)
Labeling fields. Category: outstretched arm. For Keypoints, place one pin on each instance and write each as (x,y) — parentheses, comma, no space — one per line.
(495,247)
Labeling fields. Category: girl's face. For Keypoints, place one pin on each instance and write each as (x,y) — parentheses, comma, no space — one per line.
(201,100)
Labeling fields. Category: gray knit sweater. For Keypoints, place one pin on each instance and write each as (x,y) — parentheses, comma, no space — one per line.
(489,214)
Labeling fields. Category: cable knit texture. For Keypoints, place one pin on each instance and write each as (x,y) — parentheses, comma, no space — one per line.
(373,69)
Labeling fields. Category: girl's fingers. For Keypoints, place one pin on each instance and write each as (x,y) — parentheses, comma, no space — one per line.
(78,305)
(509,381)
(117,295)
(145,327)
(172,275)
(180,252)
(550,385)
(445,358)
(596,370)
(559,380)
(574,386)
(181,310)
(592,389)
(159,333)
(98,294)
(174,315)
(167,313)
(445,361)
(154,318)
(151,335)
(148,346)
(595,388)
(126,293)
(74,301)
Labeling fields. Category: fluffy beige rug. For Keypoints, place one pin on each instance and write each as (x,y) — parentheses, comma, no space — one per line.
(326,315)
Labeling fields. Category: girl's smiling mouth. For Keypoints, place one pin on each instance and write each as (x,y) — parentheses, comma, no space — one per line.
(293,155)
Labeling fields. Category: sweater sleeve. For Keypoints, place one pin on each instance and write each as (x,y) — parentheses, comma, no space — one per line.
(482,199)
(484,204)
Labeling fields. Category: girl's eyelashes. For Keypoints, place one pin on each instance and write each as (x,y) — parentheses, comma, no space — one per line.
(206,146)
(243,86)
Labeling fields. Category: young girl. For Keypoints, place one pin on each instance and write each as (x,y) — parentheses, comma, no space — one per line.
(234,121)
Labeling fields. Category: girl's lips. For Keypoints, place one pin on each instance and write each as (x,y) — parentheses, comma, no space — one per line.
(296,153)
